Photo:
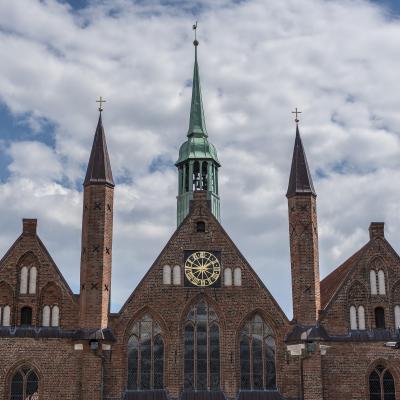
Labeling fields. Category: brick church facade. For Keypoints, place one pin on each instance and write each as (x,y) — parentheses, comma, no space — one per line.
(201,324)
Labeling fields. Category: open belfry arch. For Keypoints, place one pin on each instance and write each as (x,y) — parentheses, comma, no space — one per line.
(200,325)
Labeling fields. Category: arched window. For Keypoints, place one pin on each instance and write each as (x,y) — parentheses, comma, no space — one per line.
(46,316)
(23,285)
(381,384)
(166,275)
(353,318)
(397,316)
(379,318)
(145,356)
(372,279)
(237,277)
(55,316)
(228,277)
(257,355)
(24,384)
(202,350)
(26,316)
(361,318)
(204,175)
(381,282)
(32,280)
(5,315)
(177,275)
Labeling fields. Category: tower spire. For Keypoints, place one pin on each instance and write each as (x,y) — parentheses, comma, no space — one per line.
(99,167)
(303,231)
(197,123)
(198,161)
(300,181)
(97,225)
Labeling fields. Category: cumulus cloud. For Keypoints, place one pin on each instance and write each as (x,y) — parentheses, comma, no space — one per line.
(337,61)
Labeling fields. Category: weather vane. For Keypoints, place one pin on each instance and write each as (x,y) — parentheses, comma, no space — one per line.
(297,115)
(101,101)
(196,42)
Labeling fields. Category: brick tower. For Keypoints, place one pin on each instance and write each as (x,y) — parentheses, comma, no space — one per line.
(303,238)
(97,235)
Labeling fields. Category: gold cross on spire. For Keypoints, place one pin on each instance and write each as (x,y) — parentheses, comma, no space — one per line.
(101,101)
(297,115)
(196,42)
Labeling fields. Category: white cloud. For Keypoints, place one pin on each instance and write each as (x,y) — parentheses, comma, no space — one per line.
(337,61)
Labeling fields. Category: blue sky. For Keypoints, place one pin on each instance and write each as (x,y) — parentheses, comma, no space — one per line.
(292,53)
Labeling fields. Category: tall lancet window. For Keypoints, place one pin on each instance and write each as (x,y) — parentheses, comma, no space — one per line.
(202,349)
(257,355)
(146,355)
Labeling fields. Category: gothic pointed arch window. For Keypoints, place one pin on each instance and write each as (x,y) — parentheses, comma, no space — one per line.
(381,384)
(145,355)
(202,348)
(24,384)
(257,355)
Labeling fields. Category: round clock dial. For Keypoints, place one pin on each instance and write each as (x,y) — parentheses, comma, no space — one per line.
(202,268)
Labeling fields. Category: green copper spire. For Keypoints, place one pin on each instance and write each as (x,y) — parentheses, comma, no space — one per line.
(198,161)
(197,123)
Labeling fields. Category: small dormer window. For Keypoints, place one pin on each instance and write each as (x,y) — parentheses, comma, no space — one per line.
(201,226)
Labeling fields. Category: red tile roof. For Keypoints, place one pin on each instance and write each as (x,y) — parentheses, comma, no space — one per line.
(331,283)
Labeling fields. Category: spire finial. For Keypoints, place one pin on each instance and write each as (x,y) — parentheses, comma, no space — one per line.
(195,42)
(101,101)
(297,115)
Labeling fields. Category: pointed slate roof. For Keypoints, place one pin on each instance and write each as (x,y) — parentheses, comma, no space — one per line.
(99,167)
(197,123)
(300,180)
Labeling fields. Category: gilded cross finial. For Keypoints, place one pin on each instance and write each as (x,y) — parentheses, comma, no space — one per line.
(196,42)
(297,115)
(101,101)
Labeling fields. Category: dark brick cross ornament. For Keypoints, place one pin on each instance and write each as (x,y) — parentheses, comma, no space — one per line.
(297,115)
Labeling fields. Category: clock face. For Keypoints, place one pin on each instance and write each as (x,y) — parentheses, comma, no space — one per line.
(202,269)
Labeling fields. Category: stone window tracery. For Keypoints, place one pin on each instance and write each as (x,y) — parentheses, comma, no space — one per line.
(145,355)
(257,355)
(201,349)
(24,383)
(381,384)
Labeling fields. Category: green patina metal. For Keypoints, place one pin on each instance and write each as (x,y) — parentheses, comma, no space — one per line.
(197,123)
(198,161)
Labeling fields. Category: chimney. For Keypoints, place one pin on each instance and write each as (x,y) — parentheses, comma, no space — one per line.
(376,229)
(29,226)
